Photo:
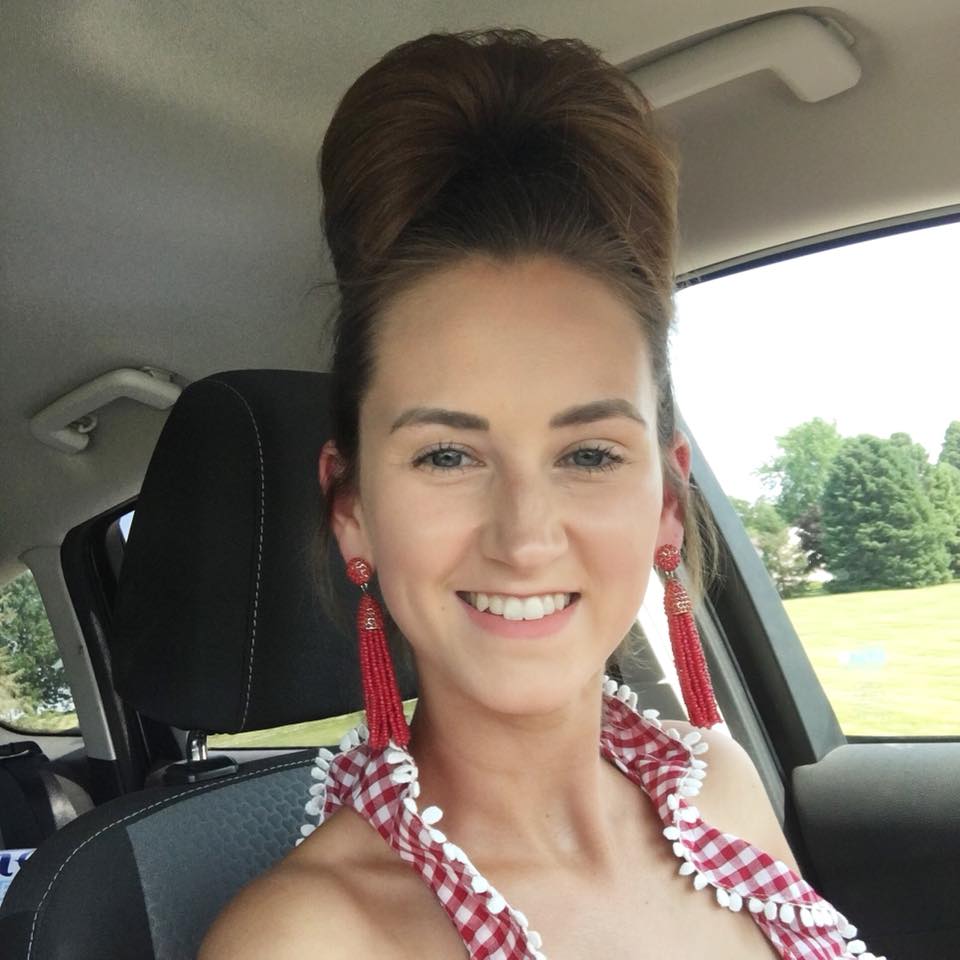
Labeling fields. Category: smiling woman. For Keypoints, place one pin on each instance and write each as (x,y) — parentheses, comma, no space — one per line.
(505,459)
(521,508)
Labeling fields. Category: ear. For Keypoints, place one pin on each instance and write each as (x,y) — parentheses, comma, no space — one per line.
(346,515)
(671,516)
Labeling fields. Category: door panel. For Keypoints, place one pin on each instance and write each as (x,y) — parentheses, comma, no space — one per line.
(881,824)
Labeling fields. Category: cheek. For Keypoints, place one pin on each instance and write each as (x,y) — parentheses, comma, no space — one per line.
(621,532)
(413,524)
(415,543)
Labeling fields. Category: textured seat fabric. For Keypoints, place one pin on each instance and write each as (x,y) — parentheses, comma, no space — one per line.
(144,876)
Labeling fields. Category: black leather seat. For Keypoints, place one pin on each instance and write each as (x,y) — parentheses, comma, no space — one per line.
(217,628)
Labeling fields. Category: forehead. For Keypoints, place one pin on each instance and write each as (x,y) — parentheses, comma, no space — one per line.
(503,338)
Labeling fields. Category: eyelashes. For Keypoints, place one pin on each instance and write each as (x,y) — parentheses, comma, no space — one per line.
(428,458)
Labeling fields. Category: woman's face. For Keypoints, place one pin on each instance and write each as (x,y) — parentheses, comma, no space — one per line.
(500,499)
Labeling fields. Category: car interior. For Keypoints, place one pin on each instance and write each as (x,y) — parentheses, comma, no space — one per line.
(164,299)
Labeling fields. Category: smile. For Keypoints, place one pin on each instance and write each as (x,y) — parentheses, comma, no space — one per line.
(519,608)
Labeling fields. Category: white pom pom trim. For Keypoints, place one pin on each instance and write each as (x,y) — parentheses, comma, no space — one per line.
(320,772)
(817,915)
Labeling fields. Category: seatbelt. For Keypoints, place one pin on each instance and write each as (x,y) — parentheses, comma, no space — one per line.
(33,805)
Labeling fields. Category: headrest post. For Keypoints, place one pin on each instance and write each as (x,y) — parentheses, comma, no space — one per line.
(197,745)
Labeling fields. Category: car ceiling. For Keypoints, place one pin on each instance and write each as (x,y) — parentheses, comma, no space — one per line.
(160,196)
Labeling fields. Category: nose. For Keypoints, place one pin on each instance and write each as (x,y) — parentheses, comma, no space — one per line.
(525,526)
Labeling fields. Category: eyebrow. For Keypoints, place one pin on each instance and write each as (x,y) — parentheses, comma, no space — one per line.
(573,416)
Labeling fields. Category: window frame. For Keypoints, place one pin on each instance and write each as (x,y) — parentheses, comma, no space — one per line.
(782,690)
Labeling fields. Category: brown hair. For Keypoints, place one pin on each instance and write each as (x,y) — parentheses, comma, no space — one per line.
(503,144)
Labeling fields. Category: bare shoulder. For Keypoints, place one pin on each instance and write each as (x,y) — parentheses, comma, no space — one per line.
(341,894)
(733,798)
(286,912)
(283,914)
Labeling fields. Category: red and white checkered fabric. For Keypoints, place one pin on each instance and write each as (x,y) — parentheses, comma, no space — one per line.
(798,921)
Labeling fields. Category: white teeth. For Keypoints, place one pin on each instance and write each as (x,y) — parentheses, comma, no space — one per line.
(517,608)
(530,608)
(513,609)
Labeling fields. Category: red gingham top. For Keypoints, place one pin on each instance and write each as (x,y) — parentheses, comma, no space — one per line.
(382,787)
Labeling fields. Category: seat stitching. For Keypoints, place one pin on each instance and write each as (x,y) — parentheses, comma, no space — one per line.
(256,592)
(159,803)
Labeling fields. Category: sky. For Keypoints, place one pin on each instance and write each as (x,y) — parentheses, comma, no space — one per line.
(866,335)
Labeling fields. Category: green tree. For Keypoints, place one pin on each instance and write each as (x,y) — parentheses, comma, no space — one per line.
(916,453)
(943,488)
(798,475)
(28,647)
(880,528)
(950,451)
(770,535)
(10,704)
(809,526)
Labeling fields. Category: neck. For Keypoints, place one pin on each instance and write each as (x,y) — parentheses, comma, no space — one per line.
(522,791)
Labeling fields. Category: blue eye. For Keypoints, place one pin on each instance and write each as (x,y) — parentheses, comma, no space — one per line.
(596,454)
(441,457)
(445,458)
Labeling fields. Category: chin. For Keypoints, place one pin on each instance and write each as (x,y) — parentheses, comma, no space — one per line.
(534,690)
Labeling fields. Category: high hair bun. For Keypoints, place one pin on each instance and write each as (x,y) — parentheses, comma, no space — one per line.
(503,127)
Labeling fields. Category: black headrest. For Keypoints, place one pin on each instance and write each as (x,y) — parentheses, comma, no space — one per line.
(218,624)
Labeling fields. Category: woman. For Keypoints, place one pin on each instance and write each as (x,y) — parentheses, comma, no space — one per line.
(502,218)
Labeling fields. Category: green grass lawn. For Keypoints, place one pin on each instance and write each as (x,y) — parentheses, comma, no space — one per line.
(889,660)
(314,733)
(41,723)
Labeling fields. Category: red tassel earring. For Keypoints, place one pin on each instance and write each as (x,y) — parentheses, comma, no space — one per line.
(381,698)
(687,650)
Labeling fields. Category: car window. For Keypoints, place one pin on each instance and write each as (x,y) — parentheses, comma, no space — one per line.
(822,390)
(313,733)
(35,696)
(124,521)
